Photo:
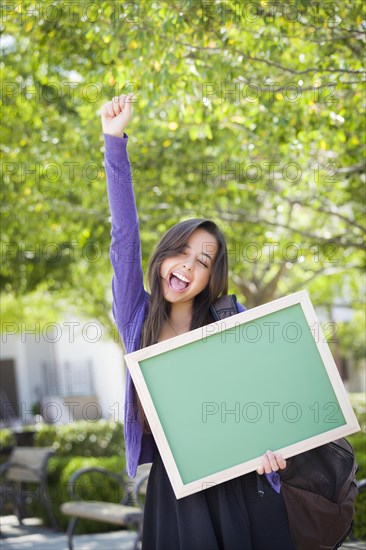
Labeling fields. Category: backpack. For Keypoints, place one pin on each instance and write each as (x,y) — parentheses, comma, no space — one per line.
(225,306)
(319,486)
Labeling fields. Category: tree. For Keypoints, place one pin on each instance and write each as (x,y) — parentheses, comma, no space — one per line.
(247,113)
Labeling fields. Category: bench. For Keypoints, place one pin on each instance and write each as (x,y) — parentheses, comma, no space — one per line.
(26,465)
(128,513)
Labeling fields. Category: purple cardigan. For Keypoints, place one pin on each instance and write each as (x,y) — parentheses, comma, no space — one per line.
(130,299)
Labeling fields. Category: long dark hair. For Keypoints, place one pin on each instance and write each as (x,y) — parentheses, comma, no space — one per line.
(172,242)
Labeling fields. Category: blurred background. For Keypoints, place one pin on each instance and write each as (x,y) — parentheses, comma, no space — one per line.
(251,114)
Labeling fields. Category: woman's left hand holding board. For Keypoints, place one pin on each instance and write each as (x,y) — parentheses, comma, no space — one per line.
(271,462)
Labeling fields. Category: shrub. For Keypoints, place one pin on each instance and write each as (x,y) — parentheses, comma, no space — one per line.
(7,439)
(358,442)
(104,440)
(82,438)
(91,486)
(77,445)
(358,402)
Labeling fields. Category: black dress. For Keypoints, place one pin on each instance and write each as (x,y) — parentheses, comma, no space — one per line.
(227,516)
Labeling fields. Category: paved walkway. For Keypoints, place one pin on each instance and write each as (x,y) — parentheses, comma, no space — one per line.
(33,536)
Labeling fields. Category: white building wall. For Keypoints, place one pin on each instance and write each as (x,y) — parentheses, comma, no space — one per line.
(36,352)
(27,354)
(86,341)
(83,341)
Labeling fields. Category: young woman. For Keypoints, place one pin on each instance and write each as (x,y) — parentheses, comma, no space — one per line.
(187,273)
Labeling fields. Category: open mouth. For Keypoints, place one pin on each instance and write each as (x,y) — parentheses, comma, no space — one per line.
(178,282)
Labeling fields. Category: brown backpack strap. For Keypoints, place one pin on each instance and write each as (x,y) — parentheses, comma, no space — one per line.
(225,306)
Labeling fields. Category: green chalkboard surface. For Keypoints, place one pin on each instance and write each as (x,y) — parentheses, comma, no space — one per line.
(258,382)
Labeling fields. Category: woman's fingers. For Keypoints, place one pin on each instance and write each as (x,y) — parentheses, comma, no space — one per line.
(104,110)
(268,464)
(116,114)
(122,99)
(265,466)
(128,105)
(280,461)
(116,106)
(113,107)
(271,462)
(110,109)
(119,103)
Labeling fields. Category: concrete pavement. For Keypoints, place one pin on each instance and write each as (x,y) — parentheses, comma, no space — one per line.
(33,536)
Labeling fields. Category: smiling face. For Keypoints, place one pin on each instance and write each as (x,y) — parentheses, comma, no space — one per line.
(188,272)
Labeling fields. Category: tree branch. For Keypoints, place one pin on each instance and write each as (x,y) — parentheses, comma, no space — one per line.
(335,239)
(270,288)
(211,49)
(326,211)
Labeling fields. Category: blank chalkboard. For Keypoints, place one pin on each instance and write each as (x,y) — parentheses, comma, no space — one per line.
(218,397)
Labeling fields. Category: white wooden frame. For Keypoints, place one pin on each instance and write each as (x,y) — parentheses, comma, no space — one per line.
(132,360)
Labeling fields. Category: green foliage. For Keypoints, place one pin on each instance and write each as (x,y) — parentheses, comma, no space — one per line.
(81,438)
(358,442)
(62,467)
(91,486)
(7,439)
(277,163)
(353,336)
(358,402)
(77,445)
(243,113)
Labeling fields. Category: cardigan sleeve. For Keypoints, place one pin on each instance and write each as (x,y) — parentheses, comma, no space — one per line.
(240,307)
(125,249)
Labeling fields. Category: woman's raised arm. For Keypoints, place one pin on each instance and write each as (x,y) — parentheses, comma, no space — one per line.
(129,296)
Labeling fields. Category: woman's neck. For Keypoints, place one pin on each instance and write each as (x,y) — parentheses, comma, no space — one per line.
(180,316)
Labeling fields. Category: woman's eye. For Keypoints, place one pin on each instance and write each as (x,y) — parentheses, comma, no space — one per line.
(184,253)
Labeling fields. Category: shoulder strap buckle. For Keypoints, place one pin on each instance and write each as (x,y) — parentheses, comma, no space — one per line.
(225,306)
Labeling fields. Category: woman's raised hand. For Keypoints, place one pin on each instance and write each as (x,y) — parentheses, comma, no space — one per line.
(116,115)
(271,462)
